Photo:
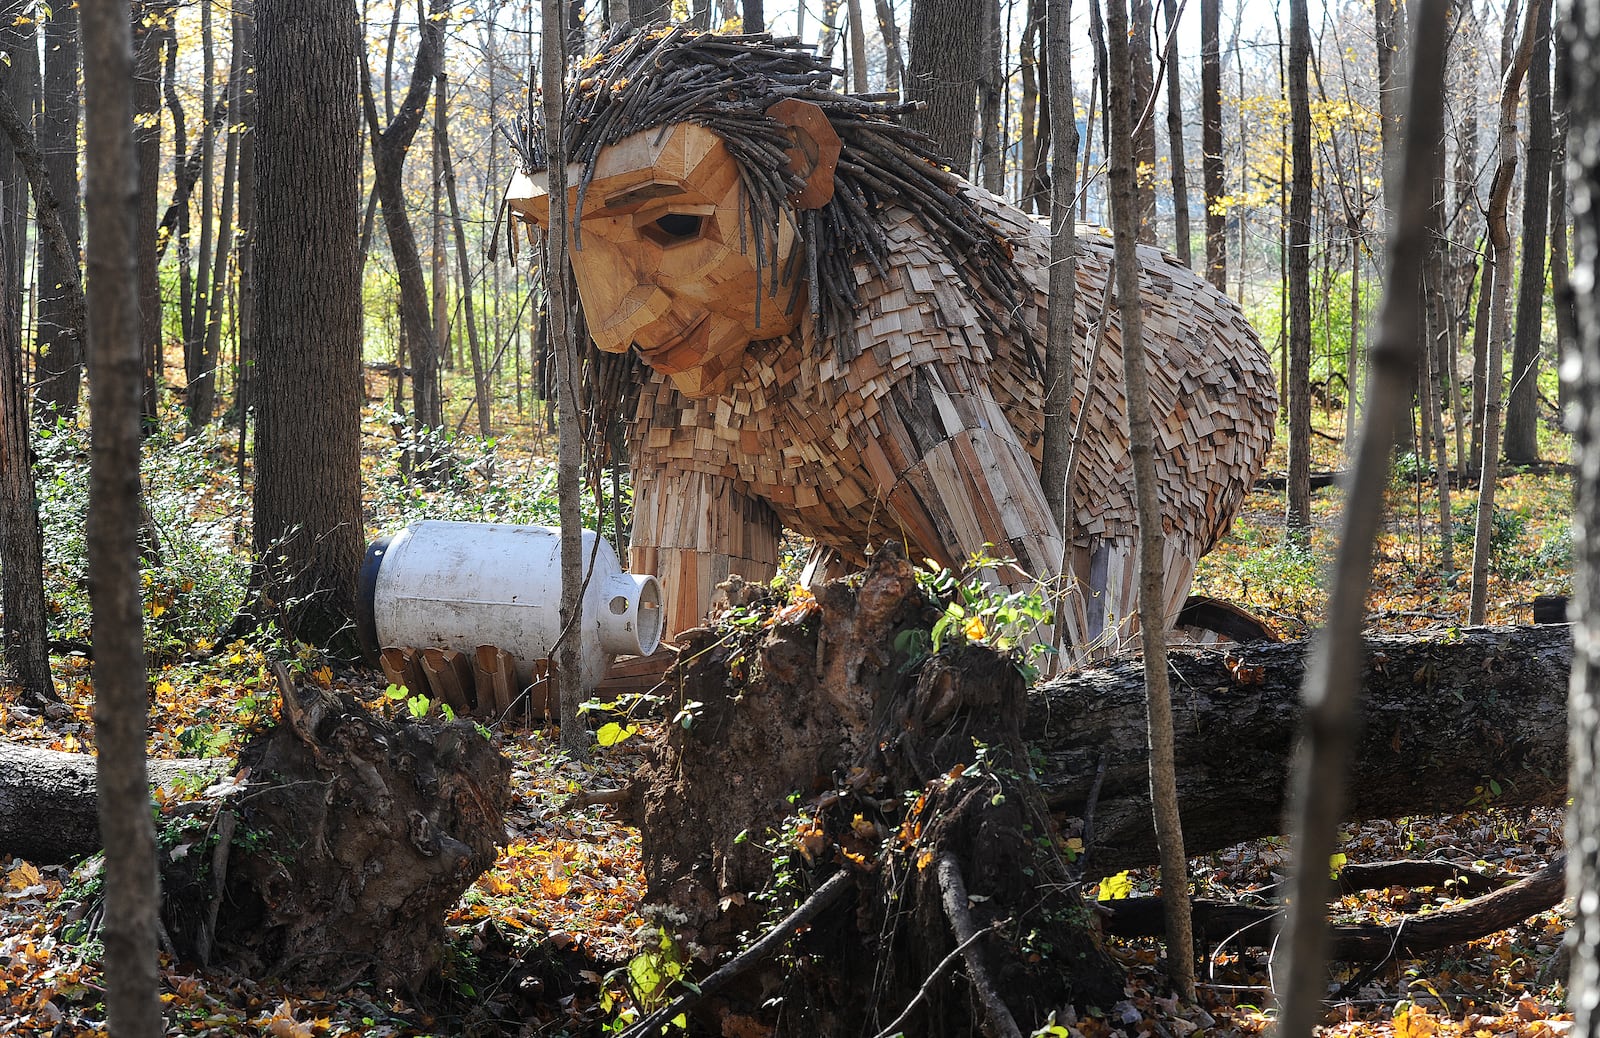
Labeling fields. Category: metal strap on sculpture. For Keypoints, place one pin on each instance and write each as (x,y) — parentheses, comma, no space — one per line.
(841,337)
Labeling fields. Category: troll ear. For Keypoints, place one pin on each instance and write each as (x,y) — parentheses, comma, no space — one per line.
(813,150)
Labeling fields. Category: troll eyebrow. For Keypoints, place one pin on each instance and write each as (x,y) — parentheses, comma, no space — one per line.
(628,201)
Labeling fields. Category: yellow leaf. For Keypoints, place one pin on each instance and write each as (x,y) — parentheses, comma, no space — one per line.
(22,876)
(924,860)
(974,630)
(163,687)
(1115,888)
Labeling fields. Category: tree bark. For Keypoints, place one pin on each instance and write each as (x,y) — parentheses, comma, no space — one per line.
(26,656)
(1180,172)
(19,79)
(149,32)
(480,377)
(1211,143)
(389,147)
(1142,85)
(115,255)
(59,373)
(1581,29)
(1063,284)
(1298,374)
(1126,209)
(1499,305)
(943,74)
(1522,404)
(991,82)
(893,64)
(307,502)
(1489,704)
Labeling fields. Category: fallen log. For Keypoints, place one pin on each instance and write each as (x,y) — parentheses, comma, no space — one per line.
(49,806)
(1445,714)
(1447,719)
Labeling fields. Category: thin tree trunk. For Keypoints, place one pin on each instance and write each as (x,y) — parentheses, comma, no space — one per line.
(389,147)
(1332,678)
(1560,284)
(1141,443)
(243,90)
(1499,306)
(1387,45)
(755,16)
(1581,28)
(438,261)
(480,377)
(1211,142)
(117,365)
(1180,171)
(563,343)
(893,65)
(19,75)
(148,35)
(1437,357)
(1299,275)
(26,657)
(196,322)
(858,46)
(60,340)
(1029,137)
(1522,407)
(1059,336)
(991,156)
(1142,68)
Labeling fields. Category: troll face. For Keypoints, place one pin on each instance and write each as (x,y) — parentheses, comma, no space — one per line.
(666,255)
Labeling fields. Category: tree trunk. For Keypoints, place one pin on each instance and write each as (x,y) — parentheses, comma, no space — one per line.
(1125,221)
(1298,374)
(858,47)
(115,255)
(60,338)
(1332,686)
(19,75)
(1561,295)
(26,658)
(893,65)
(946,47)
(1175,153)
(755,16)
(307,391)
(991,83)
(480,377)
(1581,29)
(1499,304)
(1387,46)
(1063,284)
(1211,143)
(1522,406)
(149,32)
(389,147)
(1141,43)
(1032,120)
(563,340)
(244,107)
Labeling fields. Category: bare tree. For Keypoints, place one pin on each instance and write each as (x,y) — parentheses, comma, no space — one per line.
(389,148)
(1211,143)
(1298,373)
(117,364)
(563,342)
(1580,21)
(1522,407)
(1141,42)
(60,364)
(1499,300)
(1059,343)
(26,656)
(480,377)
(1332,677)
(1180,172)
(1152,540)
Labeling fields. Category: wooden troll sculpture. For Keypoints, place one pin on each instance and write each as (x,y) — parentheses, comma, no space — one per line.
(844,338)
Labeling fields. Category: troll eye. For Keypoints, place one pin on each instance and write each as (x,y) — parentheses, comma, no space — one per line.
(680,226)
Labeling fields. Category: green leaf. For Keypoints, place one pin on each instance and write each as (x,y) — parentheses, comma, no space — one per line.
(396,692)
(418,705)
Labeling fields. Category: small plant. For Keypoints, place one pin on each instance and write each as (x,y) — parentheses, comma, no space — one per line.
(977,612)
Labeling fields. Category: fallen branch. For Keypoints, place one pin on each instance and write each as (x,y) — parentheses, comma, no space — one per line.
(959,951)
(775,938)
(1360,942)
(997,1019)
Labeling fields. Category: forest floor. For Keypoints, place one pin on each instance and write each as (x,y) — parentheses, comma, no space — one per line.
(541,944)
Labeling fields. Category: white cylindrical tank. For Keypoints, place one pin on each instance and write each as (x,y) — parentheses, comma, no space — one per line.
(458,585)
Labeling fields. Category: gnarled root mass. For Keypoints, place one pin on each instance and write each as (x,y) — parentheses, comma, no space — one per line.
(814,749)
(337,849)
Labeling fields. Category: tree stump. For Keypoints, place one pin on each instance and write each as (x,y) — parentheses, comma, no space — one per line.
(815,746)
(337,849)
